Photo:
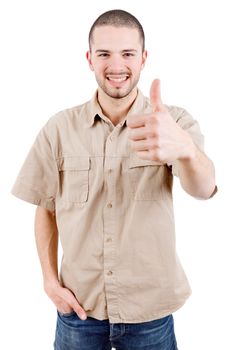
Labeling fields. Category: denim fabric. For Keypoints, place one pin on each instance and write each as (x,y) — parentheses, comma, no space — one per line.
(74,334)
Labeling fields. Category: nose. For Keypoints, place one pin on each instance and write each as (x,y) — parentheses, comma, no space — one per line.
(116,63)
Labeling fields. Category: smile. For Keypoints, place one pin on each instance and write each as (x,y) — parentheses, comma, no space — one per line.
(117,78)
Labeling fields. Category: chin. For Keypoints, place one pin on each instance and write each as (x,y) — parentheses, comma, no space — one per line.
(118,93)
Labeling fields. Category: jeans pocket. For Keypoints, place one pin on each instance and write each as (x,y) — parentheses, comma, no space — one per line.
(66,314)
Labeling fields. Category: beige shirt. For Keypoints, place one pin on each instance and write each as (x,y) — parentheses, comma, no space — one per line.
(114,212)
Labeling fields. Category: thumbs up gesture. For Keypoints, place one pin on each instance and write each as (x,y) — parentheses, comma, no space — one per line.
(156,136)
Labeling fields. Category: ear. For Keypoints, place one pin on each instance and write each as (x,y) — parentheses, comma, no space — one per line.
(88,57)
(144,57)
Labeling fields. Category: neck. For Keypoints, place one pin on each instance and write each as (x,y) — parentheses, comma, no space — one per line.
(116,109)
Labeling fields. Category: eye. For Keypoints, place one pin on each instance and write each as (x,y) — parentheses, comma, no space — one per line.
(128,54)
(103,55)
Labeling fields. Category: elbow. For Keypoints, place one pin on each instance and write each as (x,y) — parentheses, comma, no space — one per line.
(204,193)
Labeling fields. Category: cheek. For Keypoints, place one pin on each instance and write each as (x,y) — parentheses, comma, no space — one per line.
(99,67)
(136,65)
(136,68)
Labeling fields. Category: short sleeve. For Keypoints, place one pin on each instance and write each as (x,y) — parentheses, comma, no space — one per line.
(188,123)
(37,180)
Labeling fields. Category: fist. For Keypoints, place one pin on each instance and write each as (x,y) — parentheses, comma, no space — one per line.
(156,136)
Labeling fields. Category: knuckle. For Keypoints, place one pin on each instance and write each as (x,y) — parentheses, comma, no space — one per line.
(157,155)
(154,143)
(132,145)
(152,132)
(75,304)
(151,120)
(158,144)
(66,293)
(79,309)
(151,144)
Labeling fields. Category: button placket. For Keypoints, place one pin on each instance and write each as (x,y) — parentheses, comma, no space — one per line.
(109,227)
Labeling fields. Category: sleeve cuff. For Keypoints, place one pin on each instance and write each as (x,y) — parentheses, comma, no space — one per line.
(34,198)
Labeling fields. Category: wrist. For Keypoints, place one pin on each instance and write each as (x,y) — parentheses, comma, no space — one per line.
(50,284)
(189,149)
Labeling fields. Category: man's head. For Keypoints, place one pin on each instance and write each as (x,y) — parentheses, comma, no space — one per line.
(116,52)
(117,18)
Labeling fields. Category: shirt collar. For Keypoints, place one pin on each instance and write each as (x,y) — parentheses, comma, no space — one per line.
(94,111)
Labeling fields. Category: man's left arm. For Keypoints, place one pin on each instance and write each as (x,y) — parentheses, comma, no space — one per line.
(197,174)
(157,136)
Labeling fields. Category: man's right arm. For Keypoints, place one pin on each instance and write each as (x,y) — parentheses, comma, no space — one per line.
(46,234)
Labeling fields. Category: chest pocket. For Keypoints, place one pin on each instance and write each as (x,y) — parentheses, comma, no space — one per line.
(74,178)
(147,178)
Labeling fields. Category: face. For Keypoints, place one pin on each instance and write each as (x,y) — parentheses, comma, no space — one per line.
(117,59)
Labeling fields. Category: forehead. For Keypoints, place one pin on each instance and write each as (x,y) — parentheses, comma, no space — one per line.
(108,37)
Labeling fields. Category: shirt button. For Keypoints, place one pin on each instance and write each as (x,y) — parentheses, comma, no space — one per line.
(109,205)
(109,240)
(109,273)
(109,171)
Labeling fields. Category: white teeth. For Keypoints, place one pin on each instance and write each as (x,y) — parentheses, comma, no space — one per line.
(117,79)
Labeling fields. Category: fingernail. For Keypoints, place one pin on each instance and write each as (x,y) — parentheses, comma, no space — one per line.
(83,317)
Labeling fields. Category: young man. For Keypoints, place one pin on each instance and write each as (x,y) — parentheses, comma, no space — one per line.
(101,175)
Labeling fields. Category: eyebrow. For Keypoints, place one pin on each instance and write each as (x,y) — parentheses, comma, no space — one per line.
(107,51)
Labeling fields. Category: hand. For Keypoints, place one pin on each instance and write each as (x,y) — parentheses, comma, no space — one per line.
(156,136)
(64,300)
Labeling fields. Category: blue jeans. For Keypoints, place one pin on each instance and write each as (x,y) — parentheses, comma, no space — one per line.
(74,334)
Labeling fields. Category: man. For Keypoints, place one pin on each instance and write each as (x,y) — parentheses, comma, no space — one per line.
(101,177)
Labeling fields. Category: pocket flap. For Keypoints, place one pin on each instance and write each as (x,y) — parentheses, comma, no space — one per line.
(74,163)
(135,161)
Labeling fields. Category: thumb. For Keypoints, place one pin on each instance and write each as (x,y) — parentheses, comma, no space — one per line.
(155,96)
(79,311)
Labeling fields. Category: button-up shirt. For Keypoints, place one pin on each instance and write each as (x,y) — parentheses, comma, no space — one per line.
(114,212)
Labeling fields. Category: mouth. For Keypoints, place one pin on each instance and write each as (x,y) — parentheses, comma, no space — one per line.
(117,78)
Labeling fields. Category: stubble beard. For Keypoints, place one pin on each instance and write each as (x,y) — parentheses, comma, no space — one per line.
(117,93)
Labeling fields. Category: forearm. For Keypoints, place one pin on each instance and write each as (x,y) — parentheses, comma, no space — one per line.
(46,235)
(47,246)
(197,174)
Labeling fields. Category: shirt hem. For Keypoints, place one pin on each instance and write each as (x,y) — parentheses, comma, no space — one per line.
(155,316)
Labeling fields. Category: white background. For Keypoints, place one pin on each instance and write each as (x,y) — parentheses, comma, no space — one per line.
(44,70)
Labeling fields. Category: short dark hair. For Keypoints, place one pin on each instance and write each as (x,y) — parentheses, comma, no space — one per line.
(117,18)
